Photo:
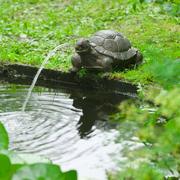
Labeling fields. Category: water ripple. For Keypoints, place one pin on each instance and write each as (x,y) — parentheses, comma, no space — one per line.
(68,128)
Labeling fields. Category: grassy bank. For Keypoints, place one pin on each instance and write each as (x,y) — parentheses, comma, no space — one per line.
(31,28)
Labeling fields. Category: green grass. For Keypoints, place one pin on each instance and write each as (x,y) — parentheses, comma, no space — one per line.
(31,28)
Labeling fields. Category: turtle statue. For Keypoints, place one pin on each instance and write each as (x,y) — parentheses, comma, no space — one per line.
(105,50)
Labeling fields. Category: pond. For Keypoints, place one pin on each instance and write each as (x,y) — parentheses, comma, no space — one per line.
(71,127)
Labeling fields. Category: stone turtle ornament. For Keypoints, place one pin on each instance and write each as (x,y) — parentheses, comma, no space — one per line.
(105,50)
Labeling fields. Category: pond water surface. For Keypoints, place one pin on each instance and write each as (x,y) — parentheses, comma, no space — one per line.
(71,127)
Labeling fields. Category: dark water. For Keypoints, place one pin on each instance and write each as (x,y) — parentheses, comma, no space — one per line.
(69,126)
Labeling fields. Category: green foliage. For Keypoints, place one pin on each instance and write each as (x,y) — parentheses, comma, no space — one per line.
(4,141)
(5,166)
(166,73)
(82,73)
(43,172)
(170,6)
(159,130)
(24,158)
(14,166)
(142,173)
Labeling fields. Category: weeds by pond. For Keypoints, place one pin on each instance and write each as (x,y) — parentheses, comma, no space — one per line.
(158,120)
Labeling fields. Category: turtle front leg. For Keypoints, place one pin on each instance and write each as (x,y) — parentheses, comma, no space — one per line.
(76,63)
(138,59)
(107,64)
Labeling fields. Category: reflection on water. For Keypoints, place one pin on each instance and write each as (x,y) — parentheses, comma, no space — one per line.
(70,127)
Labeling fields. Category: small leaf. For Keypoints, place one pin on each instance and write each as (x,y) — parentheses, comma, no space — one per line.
(4,140)
(22,158)
(42,171)
(5,166)
(72,175)
(31,159)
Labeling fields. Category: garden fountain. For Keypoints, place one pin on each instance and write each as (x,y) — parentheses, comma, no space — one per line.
(49,55)
(70,126)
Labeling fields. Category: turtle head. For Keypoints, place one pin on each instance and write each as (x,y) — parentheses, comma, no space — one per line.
(82,46)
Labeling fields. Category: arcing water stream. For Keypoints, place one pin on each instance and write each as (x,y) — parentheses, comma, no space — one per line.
(50,54)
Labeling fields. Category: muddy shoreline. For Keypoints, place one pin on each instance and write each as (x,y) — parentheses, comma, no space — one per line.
(24,74)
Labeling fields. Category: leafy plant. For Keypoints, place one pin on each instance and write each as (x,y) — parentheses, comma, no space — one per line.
(14,166)
(4,141)
(159,131)
(43,172)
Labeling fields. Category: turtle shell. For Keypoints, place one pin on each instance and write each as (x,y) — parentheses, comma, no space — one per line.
(113,44)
